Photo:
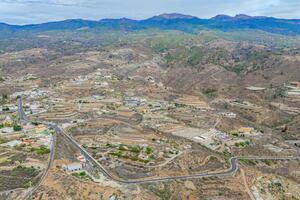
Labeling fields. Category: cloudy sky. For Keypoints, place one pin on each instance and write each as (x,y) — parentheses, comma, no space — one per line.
(37,11)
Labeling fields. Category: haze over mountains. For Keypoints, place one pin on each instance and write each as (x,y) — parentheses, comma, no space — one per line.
(173,21)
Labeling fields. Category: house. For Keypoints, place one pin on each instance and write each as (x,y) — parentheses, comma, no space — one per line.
(45,141)
(222,136)
(29,77)
(12,143)
(8,108)
(229,115)
(27,142)
(35,108)
(134,101)
(141,110)
(7,130)
(246,130)
(253,88)
(131,102)
(40,128)
(150,79)
(77,166)
(295,84)
(81,158)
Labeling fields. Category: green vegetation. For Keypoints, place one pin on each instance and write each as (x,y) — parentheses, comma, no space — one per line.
(117,153)
(235,134)
(4,96)
(40,151)
(35,123)
(148,150)
(180,105)
(18,177)
(267,162)
(163,192)
(227,155)
(5,109)
(245,161)
(209,90)
(135,149)
(3,140)
(17,127)
(280,92)
(132,153)
(162,43)
(242,144)
(108,145)
(122,148)
(135,157)
(238,69)
(20,170)
(27,185)
(80,175)
(2,125)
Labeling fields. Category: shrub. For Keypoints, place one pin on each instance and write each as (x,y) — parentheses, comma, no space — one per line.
(108,145)
(246,161)
(17,127)
(135,149)
(41,151)
(148,150)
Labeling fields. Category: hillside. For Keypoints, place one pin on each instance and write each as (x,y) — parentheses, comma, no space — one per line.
(184,108)
(172,21)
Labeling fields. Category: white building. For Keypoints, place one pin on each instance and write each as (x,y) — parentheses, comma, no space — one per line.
(11,143)
(72,167)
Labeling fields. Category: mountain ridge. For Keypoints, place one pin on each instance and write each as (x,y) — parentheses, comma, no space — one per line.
(175,21)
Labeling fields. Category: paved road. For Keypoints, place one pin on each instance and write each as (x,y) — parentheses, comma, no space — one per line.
(24,118)
(233,167)
(233,161)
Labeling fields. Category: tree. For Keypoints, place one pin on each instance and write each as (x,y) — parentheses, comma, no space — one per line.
(280,92)
(4,96)
(17,127)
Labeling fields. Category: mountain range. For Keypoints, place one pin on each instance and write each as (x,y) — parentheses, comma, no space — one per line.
(173,21)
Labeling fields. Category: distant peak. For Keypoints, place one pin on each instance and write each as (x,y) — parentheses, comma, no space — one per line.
(124,19)
(237,17)
(173,16)
(242,16)
(222,17)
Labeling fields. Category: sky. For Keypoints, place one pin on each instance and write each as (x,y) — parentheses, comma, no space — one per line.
(39,11)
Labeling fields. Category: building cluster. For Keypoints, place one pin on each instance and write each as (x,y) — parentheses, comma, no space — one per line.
(134,101)
(32,93)
(27,136)
(8,108)
(293,89)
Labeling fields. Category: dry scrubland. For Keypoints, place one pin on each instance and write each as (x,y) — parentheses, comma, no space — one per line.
(150,105)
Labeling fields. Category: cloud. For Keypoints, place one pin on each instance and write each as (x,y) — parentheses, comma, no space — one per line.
(37,11)
(49,2)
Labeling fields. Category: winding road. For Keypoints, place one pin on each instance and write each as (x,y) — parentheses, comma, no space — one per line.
(229,172)
(23,117)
